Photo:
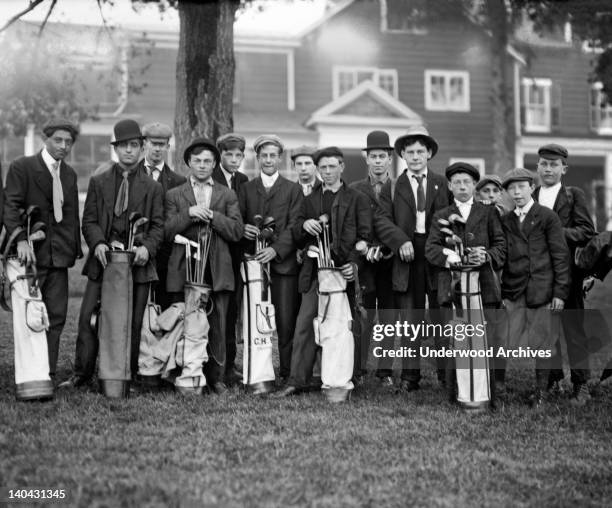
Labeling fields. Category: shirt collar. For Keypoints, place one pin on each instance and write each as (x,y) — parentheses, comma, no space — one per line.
(226,173)
(195,183)
(525,209)
(49,161)
(553,189)
(267,180)
(378,179)
(469,202)
(412,173)
(159,167)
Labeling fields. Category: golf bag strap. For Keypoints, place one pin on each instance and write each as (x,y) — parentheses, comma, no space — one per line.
(11,240)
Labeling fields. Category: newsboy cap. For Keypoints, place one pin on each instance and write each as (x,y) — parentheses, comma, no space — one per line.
(553,152)
(329,151)
(462,167)
(231,139)
(203,142)
(268,139)
(157,130)
(486,179)
(303,150)
(125,130)
(517,175)
(57,124)
(416,133)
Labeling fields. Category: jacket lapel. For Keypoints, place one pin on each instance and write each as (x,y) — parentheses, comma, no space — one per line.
(339,208)
(187,192)
(431,190)
(275,187)
(108,190)
(43,177)
(137,188)
(215,196)
(403,189)
(530,219)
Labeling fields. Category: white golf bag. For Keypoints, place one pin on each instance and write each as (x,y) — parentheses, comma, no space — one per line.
(150,367)
(332,328)
(258,326)
(472,374)
(30,323)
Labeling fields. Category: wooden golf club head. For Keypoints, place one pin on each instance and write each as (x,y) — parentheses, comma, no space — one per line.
(257,221)
(312,251)
(443,222)
(446,231)
(456,219)
(37,236)
(362,247)
(324,219)
(134,216)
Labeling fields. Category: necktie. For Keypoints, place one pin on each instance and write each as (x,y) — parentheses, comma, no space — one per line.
(58,193)
(232,182)
(121,204)
(377,187)
(420,193)
(307,189)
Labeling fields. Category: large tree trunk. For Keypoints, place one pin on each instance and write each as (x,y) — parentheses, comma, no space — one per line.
(204,72)
(501,100)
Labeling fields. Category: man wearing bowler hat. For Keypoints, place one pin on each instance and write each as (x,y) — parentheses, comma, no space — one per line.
(199,202)
(112,197)
(156,145)
(569,203)
(402,223)
(272,195)
(46,181)
(375,274)
(231,148)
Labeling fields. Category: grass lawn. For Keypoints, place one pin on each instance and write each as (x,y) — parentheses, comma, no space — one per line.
(381,449)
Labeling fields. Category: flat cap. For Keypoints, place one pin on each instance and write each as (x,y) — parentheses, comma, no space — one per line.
(486,179)
(266,139)
(517,175)
(462,167)
(329,151)
(416,133)
(303,150)
(203,142)
(553,152)
(63,124)
(231,139)
(157,130)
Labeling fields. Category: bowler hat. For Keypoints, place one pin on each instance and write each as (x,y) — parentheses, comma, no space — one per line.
(268,139)
(157,130)
(231,138)
(553,152)
(486,179)
(302,150)
(204,142)
(57,124)
(378,140)
(330,151)
(416,133)
(462,167)
(125,130)
(517,175)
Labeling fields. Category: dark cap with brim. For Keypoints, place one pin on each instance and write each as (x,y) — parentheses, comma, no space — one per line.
(486,179)
(203,142)
(462,167)
(330,151)
(62,124)
(553,152)
(517,175)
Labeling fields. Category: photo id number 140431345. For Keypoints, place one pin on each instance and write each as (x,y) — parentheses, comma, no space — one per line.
(27,495)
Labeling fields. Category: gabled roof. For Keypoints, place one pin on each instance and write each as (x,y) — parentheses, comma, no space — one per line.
(365,104)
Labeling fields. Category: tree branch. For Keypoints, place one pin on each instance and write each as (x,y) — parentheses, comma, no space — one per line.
(44,23)
(33,4)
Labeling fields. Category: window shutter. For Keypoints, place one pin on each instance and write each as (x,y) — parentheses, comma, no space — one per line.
(555,106)
(522,94)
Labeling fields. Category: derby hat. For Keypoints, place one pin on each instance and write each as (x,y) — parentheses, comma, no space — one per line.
(204,142)
(57,124)
(462,167)
(125,130)
(416,133)
(378,140)
(517,175)
(157,130)
(553,152)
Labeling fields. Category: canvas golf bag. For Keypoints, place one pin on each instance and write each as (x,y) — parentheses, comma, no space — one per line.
(115,324)
(149,366)
(30,323)
(258,326)
(472,374)
(332,328)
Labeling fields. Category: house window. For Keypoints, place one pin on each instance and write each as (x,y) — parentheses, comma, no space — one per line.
(347,78)
(540,105)
(600,110)
(447,90)
(478,163)
(401,16)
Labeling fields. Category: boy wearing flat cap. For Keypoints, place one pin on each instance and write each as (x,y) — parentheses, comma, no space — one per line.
(402,223)
(231,148)
(189,208)
(46,181)
(306,169)
(535,278)
(156,145)
(272,195)
(569,203)
(112,196)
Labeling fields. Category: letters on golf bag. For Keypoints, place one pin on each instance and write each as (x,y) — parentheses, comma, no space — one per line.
(333,333)
(258,325)
(30,323)
(115,324)
(472,373)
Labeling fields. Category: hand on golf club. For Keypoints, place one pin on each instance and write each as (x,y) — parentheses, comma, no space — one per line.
(200,212)
(100,253)
(25,253)
(347,271)
(250,232)
(265,255)
(312,227)
(477,255)
(406,251)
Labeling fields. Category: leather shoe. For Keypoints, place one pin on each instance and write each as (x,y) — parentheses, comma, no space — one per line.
(220,388)
(73,382)
(286,392)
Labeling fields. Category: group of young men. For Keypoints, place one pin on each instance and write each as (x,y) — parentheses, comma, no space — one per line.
(386,235)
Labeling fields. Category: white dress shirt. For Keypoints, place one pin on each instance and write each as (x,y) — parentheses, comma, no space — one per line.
(465,208)
(267,180)
(420,216)
(227,175)
(154,171)
(548,195)
(50,162)
(521,212)
(202,191)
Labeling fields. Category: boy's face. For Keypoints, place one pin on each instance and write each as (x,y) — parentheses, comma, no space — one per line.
(202,165)
(330,169)
(378,161)
(416,156)
(305,168)
(269,157)
(128,152)
(232,159)
(462,186)
(490,192)
(520,192)
(156,150)
(59,144)
(551,171)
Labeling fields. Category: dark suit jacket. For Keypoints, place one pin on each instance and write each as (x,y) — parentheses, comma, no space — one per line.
(283,202)
(351,221)
(537,263)
(145,196)
(227,227)
(395,219)
(483,228)
(29,182)
(239,178)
